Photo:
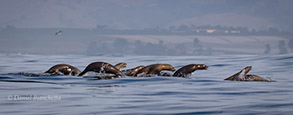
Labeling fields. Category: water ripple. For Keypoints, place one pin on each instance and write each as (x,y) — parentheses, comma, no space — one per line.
(205,92)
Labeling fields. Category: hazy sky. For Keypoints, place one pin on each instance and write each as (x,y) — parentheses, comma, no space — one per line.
(146,13)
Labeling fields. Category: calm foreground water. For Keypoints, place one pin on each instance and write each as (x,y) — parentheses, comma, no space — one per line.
(204,93)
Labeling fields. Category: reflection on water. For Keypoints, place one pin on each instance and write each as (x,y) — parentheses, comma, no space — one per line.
(204,93)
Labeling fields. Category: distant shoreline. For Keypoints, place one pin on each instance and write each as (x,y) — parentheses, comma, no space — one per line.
(89,42)
(151,31)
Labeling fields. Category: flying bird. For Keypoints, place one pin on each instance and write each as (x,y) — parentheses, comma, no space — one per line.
(58,33)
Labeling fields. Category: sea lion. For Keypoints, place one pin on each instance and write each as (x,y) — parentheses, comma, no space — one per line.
(243,76)
(102,67)
(120,65)
(188,69)
(132,71)
(63,69)
(154,69)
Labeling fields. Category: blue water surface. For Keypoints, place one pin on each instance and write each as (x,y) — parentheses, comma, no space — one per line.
(205,92)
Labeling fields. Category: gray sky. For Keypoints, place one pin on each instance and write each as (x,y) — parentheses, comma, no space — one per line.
(140,14)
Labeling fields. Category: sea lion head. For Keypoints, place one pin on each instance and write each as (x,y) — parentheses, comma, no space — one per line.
(120,65)
(247,69)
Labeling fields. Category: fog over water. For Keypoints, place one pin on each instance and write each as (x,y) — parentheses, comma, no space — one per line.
(146,27)
(139,14)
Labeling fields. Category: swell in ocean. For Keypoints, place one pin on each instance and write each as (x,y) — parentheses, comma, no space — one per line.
(27,91)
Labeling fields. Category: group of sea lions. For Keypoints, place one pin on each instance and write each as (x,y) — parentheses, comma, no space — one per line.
(109,71)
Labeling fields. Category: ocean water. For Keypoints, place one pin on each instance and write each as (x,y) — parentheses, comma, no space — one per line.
(205,92)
